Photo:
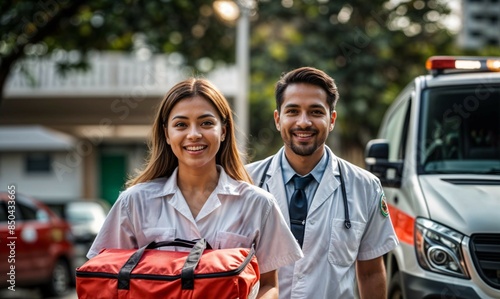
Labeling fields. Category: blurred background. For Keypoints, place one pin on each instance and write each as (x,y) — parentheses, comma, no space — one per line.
(80,80)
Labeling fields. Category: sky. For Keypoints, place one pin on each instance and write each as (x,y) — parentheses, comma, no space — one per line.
(453,22)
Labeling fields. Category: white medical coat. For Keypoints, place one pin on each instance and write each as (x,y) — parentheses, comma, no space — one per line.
(330,250)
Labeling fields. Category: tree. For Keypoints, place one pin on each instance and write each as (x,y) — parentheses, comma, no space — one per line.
(371,48)
(30,28)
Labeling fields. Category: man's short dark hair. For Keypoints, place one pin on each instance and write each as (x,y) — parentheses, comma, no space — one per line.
(307,75)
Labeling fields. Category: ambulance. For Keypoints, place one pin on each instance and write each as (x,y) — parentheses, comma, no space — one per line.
(437,155)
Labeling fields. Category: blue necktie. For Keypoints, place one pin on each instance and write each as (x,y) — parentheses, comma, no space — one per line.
(298,207)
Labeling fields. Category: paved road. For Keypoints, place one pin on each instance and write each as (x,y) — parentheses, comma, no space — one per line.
(80,251)
(31,294)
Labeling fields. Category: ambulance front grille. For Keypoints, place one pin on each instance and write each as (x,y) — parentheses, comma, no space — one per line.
(485,251)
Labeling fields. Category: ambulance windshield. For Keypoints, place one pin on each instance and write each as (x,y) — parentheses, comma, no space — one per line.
(460,130)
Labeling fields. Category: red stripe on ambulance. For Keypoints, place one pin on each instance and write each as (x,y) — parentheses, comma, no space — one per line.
(403,224)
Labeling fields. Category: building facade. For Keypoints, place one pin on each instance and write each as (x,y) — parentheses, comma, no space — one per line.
(481,24)
(97,122)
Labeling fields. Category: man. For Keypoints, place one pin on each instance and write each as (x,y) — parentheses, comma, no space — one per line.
(346,228)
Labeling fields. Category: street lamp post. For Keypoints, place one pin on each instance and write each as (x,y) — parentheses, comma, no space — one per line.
(230,11)
(242,62)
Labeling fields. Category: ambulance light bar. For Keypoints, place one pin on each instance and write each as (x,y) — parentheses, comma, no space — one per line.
(440,64)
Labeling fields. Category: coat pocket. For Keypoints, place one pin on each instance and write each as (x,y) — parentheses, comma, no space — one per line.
(344,243)
(231,240)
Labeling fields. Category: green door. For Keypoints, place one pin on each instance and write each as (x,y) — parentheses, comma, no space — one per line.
(113,175)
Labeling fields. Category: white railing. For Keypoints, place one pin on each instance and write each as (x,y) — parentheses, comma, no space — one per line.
(111,74)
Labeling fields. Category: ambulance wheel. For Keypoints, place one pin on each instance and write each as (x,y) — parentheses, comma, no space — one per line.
(59,283)
(395,291)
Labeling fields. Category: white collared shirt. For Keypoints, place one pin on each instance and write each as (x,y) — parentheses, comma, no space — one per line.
(236,214)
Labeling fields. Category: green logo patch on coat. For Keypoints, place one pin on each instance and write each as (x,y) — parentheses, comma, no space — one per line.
(383,206)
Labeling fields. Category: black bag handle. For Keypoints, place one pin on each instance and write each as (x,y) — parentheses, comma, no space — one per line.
(177,242)
(192,260)
(187,272)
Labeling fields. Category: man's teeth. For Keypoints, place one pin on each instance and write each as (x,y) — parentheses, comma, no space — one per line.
(304,135)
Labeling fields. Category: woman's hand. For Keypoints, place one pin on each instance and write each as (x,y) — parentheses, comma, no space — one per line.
(268,285)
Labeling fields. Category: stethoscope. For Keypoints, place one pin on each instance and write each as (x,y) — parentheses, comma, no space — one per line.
(347,221)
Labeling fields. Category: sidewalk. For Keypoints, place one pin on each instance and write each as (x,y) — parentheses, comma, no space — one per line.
(20,293)
(31,294)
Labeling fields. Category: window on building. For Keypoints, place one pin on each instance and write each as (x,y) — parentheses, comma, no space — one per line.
(475,33)
(492,42)
(38,163)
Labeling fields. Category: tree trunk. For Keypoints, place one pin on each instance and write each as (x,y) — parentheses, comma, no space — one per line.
(5,68)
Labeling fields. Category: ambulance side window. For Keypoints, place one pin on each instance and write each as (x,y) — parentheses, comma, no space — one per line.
(396,130)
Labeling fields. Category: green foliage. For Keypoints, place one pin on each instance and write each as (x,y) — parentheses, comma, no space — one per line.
(370,48)
(40,27)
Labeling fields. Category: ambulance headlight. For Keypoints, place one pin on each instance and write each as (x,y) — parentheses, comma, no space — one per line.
(438,248)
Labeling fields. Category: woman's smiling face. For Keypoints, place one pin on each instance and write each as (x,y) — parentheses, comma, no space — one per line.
(194,130)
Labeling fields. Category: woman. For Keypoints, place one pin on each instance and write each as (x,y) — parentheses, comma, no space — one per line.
(195,186)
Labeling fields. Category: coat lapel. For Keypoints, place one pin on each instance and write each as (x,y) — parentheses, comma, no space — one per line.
(329,183)
(275,185)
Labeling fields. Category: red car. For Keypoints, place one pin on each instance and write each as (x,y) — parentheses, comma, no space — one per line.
(36,249)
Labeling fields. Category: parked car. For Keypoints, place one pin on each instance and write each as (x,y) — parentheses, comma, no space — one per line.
(38,250)
(86,218)
(438,158)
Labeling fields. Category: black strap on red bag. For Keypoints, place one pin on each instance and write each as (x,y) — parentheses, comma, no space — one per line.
(187,272)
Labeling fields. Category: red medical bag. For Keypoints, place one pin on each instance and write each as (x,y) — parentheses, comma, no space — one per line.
(150,273)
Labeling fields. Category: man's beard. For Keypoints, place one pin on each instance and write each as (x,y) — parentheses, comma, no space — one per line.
(304,150)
